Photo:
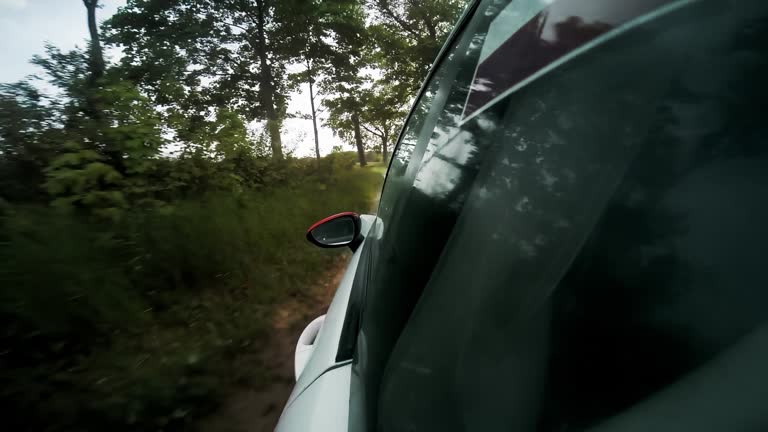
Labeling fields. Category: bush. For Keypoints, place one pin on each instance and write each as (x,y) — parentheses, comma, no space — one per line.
(336,162)
(60,276)
(373,156)
(133,325)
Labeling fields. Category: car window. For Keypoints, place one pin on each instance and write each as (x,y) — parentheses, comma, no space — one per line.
(414,229)
(577,243)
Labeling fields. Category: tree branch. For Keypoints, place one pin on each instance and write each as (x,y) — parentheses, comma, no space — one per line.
(246,30)
(386,9)
(244,9)
(431,29)
(378,134)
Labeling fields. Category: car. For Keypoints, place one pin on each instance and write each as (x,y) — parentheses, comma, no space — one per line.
(571,234)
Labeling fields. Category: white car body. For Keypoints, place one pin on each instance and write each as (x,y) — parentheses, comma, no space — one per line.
(320,399)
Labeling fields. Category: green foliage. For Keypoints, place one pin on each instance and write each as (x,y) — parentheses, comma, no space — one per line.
(81,290)
(218,54)
(66,71)
(337,161)
(27,140)
(105,162)
(132,324)
(145,231)
(373,156)
(408,36)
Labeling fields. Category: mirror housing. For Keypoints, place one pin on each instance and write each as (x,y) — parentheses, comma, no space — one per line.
(339,230)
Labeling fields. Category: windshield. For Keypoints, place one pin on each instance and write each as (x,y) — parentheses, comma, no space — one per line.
(558,233)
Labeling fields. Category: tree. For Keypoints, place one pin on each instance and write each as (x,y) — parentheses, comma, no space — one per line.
(27,141)
(96,56)
(408,35)
(311,34)
(402,41)
(344,113)
(84,173)
(224,54)
(310,76)
(306,31)
(311,82)
(383,113)
(107,133)
(346,81)
(266,82)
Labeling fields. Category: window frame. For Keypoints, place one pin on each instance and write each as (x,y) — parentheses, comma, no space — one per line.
(353,315)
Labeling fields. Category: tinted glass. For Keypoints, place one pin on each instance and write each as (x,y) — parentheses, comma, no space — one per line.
(584,251)
(339,231)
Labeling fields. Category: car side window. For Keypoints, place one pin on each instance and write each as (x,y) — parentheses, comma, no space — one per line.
(415,220)
(603,267)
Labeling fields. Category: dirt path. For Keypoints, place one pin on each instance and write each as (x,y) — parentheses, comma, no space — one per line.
(257,409)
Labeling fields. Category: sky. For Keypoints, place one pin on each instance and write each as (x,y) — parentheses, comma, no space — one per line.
(27,25)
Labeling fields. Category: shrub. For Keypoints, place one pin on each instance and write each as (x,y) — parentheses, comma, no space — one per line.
(336,162)
(134,324)
(373,156)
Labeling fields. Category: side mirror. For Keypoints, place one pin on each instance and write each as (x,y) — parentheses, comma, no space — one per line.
(339,230)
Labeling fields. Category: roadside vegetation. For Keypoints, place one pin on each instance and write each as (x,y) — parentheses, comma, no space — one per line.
(151,216)
(137,322)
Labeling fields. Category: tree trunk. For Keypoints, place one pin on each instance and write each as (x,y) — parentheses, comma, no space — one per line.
(359,140)
(312,106)
(93,108)
(384,138)
(275,141)
(267,90)
(96,57)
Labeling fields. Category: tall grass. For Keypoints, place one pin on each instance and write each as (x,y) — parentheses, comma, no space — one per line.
(134,325)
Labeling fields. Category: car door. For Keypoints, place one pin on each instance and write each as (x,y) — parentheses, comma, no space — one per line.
(555,225)
(320,398)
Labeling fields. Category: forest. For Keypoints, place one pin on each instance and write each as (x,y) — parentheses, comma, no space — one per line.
(151,215)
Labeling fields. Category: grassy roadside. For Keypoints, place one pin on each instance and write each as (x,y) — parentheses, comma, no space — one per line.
(195,290)
(256,406)
(379,169)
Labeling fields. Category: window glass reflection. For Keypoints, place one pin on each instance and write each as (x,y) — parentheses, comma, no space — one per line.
(337,231)
(594,239)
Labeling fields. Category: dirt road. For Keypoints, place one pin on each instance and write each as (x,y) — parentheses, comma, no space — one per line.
(257,409)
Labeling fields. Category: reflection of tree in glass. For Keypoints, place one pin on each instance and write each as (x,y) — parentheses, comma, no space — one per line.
(576,184)
(417,224)
(636,311)
(567,143)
